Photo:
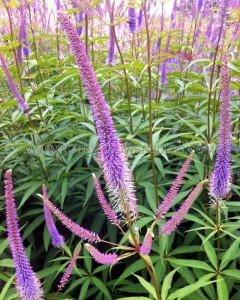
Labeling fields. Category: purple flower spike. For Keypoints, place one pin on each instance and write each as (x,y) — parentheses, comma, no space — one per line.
(177,218)
(72,226)
(80,19)
(113,162)
(111,48)
(28,285)
(166,204)
(146,246)
(69,269)
(220,182)
(140,17)
(57,239)
(174,10)
(132,18)
(200,4)
(101,258)
(21,102)
(112,217)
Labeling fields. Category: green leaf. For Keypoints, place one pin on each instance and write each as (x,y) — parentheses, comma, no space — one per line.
(148,286)
(102,287)
(191,263)
(187,290)
(232,273)
(210,251)
(84,289)
(167,282)
(222,290)
(134,298)
(229,254)
(6,288)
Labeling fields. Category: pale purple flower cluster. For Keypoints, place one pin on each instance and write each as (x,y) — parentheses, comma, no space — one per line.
(28,285)
(113,161)
(69,269)
(57,239)
(221,178)
(21,102)
(221,21)
(102,258)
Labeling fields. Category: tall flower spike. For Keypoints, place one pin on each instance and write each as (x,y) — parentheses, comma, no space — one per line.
(72,226)
(164,207)
(80,19)
(57,239)
(105,206)
(177,218)
(69,269)
(101,258)
(21,102)
(113,162)
(220,181)
(111,47)
(28,285)
(147,243)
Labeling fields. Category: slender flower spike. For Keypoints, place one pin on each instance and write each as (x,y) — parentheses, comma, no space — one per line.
(140,17)
(132,18)
(101,258)
(80,19)
(147,243)
(177,218)
(72,226)
(220,182)
(166,204)
(57,239)
(21,102)
(69,269)
(112,160)
(111,47)
(28,285)
(105,206)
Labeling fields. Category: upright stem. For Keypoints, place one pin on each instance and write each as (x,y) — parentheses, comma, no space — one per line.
(86,34)
(126,80)
(218,243)
(149,68)
(153,278)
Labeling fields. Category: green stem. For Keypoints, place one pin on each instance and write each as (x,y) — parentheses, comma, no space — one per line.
(149,68)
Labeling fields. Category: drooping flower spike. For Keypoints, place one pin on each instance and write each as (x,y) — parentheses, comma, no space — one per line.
(69,269)
(79,231)
(113,161)
(57,239)
(21,102)
(102,258)
(220,181)
(28,285)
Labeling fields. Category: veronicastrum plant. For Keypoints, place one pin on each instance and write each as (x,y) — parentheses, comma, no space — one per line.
(146,235)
